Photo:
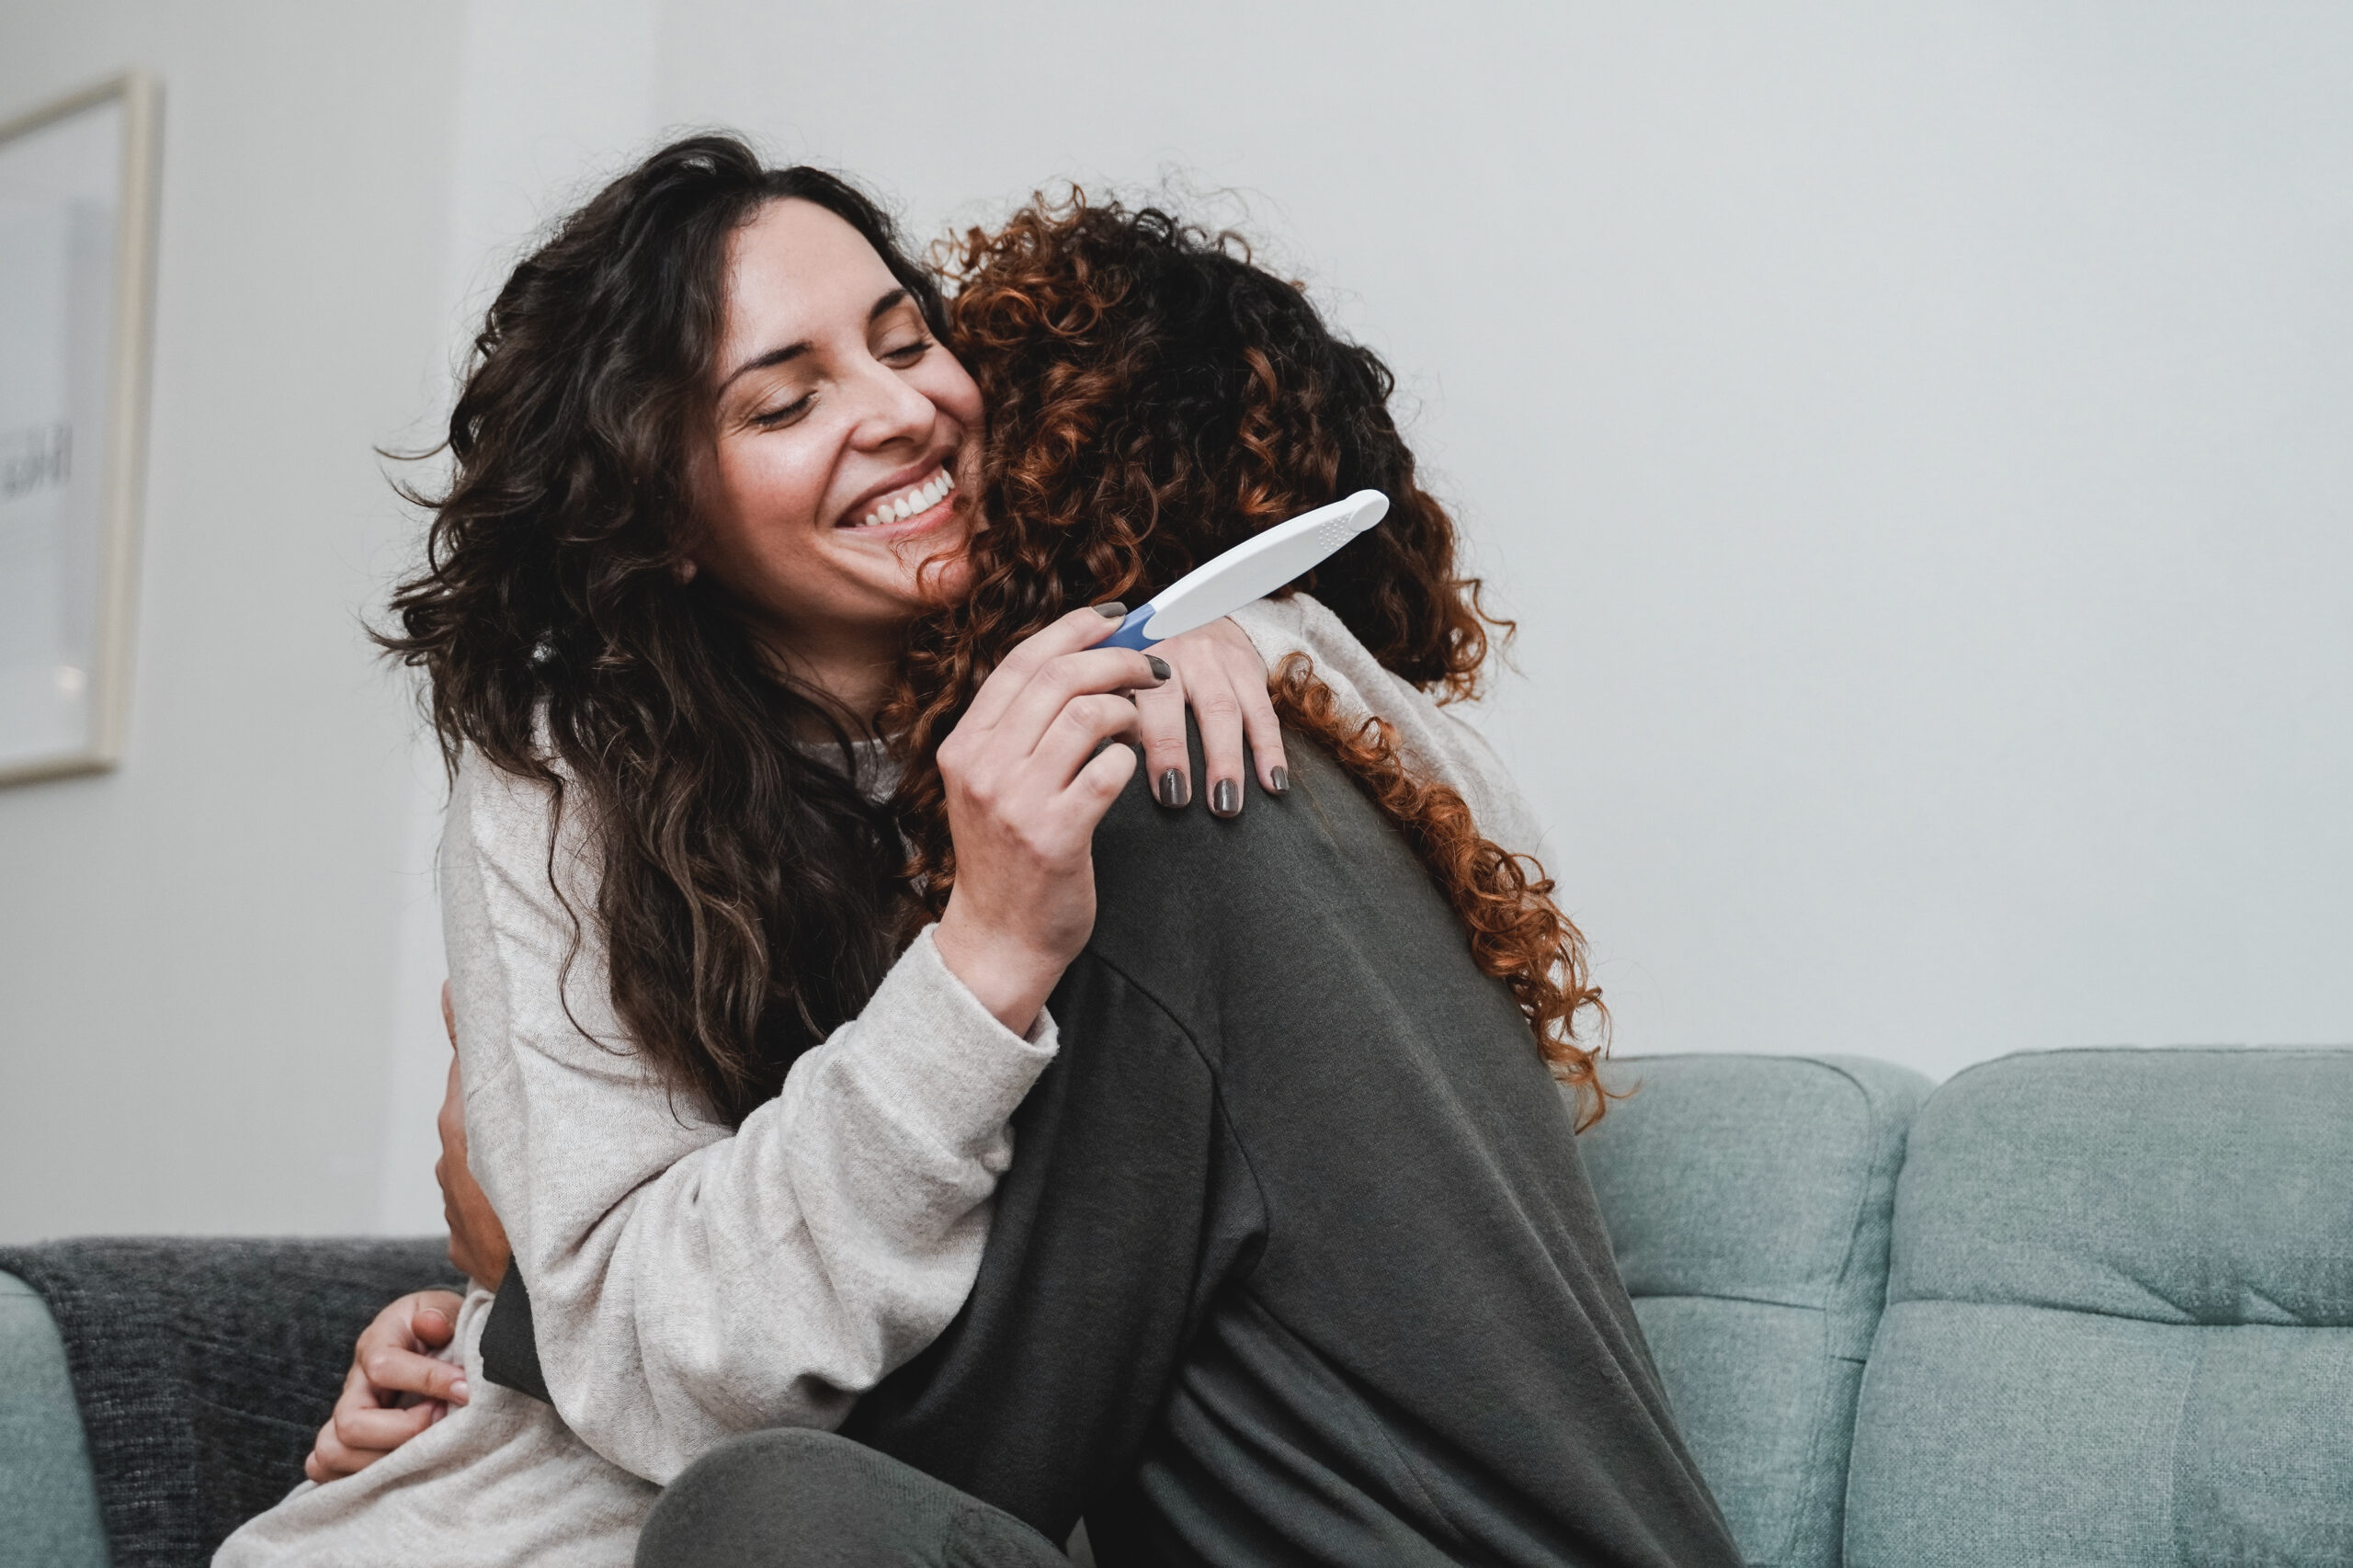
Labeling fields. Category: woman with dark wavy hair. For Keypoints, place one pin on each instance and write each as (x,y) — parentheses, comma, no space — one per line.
(1152,399)
(737,1095)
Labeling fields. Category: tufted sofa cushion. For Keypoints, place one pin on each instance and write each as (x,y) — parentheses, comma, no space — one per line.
(2119,1321)
(1749,1201)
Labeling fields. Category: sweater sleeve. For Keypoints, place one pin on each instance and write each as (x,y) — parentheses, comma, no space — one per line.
(1438,742)
(689,1282)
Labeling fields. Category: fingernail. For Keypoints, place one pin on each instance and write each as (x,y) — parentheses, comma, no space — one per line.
(1279,779)
(1159,667)
(1110,610)
(1174,788)
(458,1392)
(1225,798)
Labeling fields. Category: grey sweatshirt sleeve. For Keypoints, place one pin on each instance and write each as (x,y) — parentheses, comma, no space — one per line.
(689,1282)
(1438,742)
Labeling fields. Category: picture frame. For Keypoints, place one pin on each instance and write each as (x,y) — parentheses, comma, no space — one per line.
(78,187)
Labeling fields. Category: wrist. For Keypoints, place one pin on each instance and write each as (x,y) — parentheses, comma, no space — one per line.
(1007,974)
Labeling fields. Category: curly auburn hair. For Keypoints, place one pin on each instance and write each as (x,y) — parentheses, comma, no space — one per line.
(1154,398)
(748,892)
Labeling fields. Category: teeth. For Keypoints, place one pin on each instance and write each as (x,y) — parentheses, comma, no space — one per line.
(921,498)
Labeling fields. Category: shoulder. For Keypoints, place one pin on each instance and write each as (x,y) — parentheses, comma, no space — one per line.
(1300,623)
(1235,905)
(530,832)
(1439,742)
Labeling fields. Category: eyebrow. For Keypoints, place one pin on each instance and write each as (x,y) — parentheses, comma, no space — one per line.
(791,351)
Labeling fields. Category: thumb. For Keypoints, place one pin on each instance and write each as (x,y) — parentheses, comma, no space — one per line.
(432,1326)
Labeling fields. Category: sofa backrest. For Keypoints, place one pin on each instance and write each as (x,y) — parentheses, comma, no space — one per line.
(1748,1201)
(2119,1319)
(48,1507)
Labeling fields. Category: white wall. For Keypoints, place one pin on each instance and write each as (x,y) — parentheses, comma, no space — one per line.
(1913,437)
(194,969)
(219,966)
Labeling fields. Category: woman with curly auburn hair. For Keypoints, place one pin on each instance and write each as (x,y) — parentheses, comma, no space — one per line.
(1154,398)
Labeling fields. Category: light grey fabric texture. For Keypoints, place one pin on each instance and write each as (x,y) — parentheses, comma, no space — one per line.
(49,1502)
(1749,1201)
(2119,1321)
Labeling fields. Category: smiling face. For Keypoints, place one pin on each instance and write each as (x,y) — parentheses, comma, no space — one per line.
(845,441)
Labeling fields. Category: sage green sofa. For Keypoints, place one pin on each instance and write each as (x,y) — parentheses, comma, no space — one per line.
(2088,1308)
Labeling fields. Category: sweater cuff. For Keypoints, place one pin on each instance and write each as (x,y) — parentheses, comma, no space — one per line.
(1275,627)
(954,1063)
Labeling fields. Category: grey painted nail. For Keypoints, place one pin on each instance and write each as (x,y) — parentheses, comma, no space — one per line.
(1280,779)
(1159,667)
(1175,789)
(1110,610)
(1225,798)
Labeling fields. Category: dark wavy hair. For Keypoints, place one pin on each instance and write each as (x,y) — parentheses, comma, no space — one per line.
(1154,398)
(748,892)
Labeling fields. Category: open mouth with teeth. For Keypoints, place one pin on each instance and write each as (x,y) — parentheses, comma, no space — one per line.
(911,502)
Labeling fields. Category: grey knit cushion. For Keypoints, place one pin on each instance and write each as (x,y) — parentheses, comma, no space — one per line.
(204,1369)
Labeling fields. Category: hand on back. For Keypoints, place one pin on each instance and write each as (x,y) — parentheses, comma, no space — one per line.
(397,1387)
(1218,673)
(477,1241)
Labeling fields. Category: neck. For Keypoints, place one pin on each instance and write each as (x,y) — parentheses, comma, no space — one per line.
(852,675)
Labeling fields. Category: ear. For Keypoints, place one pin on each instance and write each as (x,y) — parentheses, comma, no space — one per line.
(684,569)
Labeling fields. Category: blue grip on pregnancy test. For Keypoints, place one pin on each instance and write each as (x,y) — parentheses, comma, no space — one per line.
(1130,631)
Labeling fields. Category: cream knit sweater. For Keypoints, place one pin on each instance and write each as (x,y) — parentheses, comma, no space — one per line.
(689,1282)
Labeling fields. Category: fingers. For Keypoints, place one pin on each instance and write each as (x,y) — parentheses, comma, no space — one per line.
(1067,677)
(1228,711)
(380,1428)
(1078,630)
(363,1430)
(332,1459)
(1218,715)
(392,1392)
(1160,724)
(408,1319)
(434,1324)
(1265,732)
(1224,682)
(1097,785)
(392,1370)
(1084,724)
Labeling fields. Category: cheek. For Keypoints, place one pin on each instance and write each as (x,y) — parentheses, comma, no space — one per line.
(766,497)
(952,391)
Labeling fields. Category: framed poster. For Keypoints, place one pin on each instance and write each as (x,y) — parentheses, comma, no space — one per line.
(77,202)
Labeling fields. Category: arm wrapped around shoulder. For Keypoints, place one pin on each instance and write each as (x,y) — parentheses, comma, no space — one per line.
(687,1280)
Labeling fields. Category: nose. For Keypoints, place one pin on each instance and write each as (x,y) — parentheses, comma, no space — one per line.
(891,410)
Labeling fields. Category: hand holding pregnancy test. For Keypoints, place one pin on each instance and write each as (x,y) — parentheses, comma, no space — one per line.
(1250,571)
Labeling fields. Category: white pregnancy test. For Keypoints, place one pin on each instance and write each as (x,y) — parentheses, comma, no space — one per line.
(1251,569)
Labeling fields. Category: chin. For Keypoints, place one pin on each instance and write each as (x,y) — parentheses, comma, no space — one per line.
(946,579)
(943,573)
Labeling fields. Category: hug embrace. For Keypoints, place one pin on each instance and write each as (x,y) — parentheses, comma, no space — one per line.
(924,1078)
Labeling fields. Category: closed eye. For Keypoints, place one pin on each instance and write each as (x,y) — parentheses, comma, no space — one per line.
(784,415)
(907,353)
